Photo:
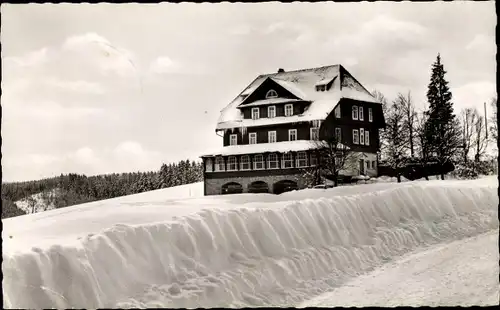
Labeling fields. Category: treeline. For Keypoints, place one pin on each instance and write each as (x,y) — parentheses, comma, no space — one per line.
(72,189)
(437,134)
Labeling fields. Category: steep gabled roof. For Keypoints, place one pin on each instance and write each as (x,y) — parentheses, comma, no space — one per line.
(302,84)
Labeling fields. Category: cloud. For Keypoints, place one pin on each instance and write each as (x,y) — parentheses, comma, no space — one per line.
(165,65)
(241,30)
(48,111)
(382,33)
(79,41)
(75,86)
(30,59)
(107,56)
(131,156)
(473,94)
(85,155)
(127,156)
(482,43)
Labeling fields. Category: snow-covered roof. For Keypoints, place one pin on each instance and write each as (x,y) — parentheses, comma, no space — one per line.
(317,111)
(281,147)
(324,81)
(285,146)
(302,84)
(269,101)
(291,87)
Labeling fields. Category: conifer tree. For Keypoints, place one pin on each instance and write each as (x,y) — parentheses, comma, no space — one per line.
(442,128)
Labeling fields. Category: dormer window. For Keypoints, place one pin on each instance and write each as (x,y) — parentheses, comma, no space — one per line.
(324,84)
(321,87)
(271,94)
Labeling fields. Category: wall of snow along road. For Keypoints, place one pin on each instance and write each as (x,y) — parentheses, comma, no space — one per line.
(276,255)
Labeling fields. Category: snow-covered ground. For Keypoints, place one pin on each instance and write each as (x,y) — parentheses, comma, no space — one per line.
(175,248)
(40,204)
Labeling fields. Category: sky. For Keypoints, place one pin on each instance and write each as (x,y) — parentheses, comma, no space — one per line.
(105,88)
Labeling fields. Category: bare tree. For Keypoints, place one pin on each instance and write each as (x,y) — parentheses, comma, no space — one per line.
(396,137)
(31,203)
(381,99)
(423,142)
(480,140)
(333,158)
(405,103)
(468,120)
(493,122)
(385,106)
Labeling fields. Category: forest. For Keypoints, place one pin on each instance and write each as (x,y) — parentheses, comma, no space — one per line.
(72,189)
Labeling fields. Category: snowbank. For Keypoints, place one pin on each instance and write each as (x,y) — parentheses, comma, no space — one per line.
(243,250)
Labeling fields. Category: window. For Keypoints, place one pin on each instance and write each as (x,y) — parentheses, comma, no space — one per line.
(231,163)
(362,136)
(245,162)
(314,133)
(258,162)
(208,165)
(233,139)
(292,134)
(314,159)
(361,114)
(271,111)
(337,112)
(271,94)
(373,164)
(367,164)
(370,114)
(219,164)
(367,137)
(321,87)
(255,113)
(271,136)
(287,161)
(252,138)
(301,159)
(355,137)
(354,112)
(288,109)
(338,134)
(272,161)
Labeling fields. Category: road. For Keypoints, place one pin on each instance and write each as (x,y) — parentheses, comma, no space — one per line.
(462,273)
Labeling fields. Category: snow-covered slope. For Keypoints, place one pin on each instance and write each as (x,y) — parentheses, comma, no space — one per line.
(39,203)
(236,250)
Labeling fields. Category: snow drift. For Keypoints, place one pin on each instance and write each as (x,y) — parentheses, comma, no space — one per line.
(274,253)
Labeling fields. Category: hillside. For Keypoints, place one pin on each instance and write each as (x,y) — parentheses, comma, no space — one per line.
(72,189)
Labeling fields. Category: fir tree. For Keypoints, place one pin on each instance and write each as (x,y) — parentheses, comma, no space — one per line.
(442,128)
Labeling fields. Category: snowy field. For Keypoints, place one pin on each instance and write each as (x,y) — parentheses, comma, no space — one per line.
(413,243)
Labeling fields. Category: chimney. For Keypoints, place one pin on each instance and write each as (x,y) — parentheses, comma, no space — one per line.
(281,70)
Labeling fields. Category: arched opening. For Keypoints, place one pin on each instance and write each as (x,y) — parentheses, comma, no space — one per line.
(284,186)
(232,188)
(258,187)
